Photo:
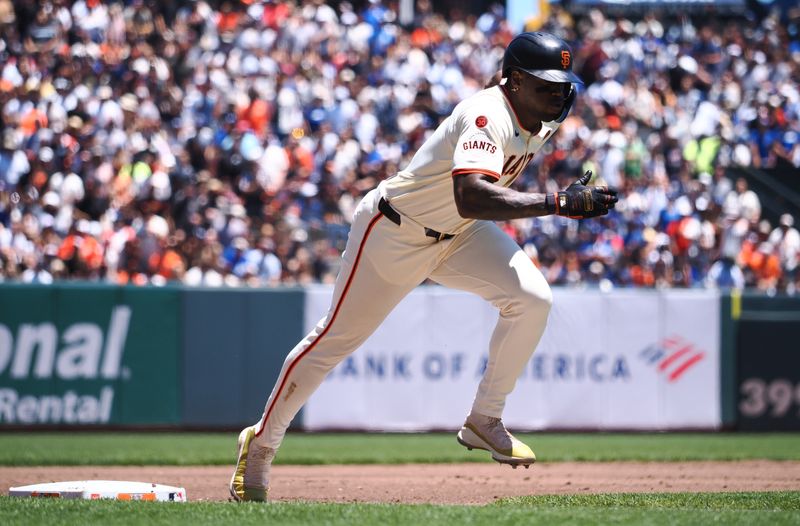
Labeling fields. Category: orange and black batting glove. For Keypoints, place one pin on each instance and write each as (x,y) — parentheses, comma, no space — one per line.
(579,201)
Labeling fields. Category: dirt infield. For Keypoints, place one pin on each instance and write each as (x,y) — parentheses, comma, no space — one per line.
(442,483)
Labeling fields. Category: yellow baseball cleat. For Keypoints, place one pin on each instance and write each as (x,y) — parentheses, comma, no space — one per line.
(489,433)
(250,480)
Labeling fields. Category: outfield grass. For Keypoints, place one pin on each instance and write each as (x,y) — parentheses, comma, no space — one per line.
(772,509)
(95,448)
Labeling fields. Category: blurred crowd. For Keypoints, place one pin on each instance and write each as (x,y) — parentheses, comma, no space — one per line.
(224,143)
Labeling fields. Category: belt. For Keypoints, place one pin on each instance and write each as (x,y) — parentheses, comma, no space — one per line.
(394,216)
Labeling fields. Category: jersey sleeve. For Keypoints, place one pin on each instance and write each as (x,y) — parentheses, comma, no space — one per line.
(480,131)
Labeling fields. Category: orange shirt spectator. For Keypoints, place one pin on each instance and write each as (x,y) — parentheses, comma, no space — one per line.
(168,264)
(257,115)
(86,248)
(275,14)
(425,37)
(32,121)
(766,265)
(228,19)
(642,276)
(303,158)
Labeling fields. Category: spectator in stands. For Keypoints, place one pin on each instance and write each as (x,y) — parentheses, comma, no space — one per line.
(725,274)
(743,202)
(786,239)
(248,130)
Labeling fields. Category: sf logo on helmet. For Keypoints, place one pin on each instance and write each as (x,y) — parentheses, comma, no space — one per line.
(565,59)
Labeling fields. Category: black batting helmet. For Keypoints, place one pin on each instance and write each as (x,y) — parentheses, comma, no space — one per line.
(542,55)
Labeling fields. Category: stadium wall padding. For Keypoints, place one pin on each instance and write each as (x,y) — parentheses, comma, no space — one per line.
(766,331)
(84,355)
(235,341)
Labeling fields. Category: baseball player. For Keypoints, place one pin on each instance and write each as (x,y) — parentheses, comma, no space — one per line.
(435,220)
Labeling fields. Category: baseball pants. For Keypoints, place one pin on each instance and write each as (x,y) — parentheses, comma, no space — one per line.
(382,263)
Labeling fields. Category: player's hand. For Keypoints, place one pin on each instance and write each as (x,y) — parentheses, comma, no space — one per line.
(579,201)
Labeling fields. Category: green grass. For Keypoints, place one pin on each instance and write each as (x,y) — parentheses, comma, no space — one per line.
(674,509)
(768,508)
(96,448)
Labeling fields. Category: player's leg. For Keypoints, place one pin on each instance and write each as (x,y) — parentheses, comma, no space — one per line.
(485,261)
(361,301)
(372,280)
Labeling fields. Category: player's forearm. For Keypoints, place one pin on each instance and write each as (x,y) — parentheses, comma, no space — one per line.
(498,203)
(478,198)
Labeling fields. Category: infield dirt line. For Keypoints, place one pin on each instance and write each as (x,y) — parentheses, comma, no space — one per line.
(442,483)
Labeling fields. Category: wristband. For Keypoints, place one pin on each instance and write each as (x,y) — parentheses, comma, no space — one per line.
(551,203)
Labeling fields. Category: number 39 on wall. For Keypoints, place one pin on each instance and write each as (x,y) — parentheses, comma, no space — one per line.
(778,398)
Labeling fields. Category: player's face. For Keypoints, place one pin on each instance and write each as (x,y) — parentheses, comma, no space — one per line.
(543,98)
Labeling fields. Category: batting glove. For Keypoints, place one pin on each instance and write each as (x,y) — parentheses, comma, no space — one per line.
(579,201)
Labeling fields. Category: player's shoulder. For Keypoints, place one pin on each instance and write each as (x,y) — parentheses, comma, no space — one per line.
(485,109)
(486,100)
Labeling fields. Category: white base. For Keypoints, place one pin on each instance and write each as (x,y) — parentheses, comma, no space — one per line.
(102,489)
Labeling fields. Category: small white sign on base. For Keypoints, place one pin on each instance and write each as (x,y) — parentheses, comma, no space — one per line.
(102,489)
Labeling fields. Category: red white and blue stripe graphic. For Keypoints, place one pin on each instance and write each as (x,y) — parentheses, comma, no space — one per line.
(673,356)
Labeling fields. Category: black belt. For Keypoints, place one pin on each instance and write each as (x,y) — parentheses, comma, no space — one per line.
(393,216)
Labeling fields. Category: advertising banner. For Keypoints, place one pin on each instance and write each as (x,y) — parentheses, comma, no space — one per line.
(86,354)
(642,360)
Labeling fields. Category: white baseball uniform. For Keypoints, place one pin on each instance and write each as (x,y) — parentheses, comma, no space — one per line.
(384,261)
